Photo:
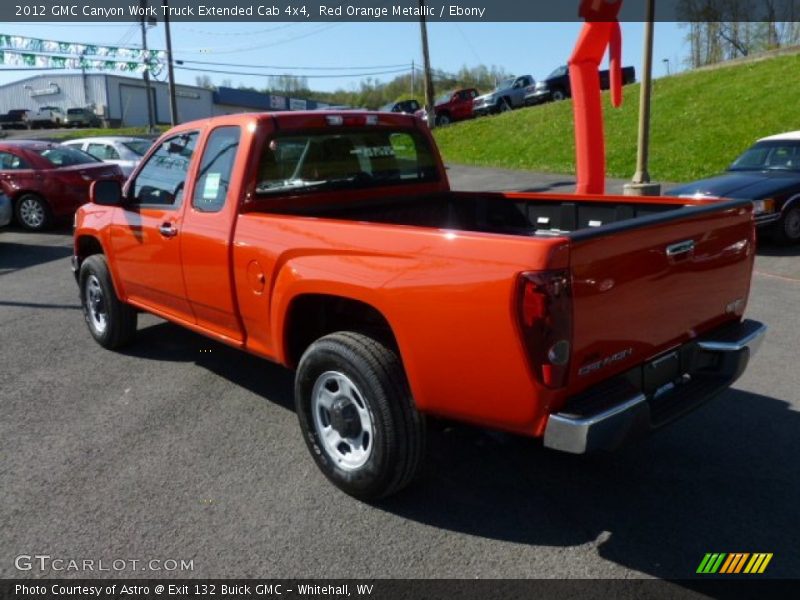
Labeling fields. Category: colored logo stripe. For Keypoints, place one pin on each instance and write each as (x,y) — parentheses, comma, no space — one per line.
(724,563)
(711,563)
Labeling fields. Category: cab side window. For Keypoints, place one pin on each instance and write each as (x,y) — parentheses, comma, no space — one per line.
(214,177)
(162,180)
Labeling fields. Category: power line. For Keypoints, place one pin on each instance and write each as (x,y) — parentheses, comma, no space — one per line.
(240,33)
(260,46)
(338,76)
(246,66)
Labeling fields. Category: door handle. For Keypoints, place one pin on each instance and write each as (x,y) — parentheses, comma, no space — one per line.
(168,230)
(680,248)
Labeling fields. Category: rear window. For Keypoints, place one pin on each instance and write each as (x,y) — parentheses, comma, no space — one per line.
(65,156)
(357,158)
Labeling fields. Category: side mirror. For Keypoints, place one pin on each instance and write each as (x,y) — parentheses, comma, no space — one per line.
(106,192)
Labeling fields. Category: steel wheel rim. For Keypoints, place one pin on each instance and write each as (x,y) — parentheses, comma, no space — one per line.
(95,305)
(792,224)
(335,402)
(31,212)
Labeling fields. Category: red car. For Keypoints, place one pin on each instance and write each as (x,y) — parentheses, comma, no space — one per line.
(47,181)
(452,106)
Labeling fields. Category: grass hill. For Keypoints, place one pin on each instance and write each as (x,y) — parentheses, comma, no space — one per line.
(701,121)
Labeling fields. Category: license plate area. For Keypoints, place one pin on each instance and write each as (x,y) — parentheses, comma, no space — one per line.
(660,372)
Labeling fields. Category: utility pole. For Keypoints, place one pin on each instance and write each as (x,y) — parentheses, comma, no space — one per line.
(413,77)
(429,105)
(147,86)
(641,185)
(173,103)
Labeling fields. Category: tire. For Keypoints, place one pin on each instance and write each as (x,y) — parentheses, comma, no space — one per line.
(787,229)
(443,120)
(504,105)
(111,322)
(357,415)
(33,212)
(558,95)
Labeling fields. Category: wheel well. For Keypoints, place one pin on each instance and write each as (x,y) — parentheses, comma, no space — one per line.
(313,316)
(87,246)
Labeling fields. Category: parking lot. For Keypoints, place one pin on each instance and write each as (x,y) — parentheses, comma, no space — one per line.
(182,448)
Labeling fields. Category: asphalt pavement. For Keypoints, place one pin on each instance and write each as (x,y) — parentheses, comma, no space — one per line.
(180,448)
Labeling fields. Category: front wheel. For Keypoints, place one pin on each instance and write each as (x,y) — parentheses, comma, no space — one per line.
(357,415)
(443,120)
(558,95)
(111,322)
(787,229)
(33,212)
(505,105)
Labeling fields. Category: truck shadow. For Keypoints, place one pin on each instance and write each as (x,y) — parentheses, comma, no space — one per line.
(14,257)
(723,479)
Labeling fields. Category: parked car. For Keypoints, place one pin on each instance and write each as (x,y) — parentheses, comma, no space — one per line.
(81,117)
(15,119)
(6,210)
(47,117)
(331,243)
(768,173)
(509,93)
(46,181)
(408,107)
(125,152)
(452,106)
(556,86)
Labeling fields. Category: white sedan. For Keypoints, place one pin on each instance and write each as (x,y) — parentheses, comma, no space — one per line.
(123,151)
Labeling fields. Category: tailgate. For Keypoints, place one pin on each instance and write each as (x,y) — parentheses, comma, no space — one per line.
(644,286)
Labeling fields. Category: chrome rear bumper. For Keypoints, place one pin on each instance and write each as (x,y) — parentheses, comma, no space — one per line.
(630,405)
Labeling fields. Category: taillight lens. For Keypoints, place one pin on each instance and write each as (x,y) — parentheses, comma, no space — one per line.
(544,301)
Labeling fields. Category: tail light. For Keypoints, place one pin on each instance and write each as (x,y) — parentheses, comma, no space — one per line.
(544,304)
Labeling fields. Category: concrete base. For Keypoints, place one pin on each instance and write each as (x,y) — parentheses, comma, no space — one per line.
(642,189)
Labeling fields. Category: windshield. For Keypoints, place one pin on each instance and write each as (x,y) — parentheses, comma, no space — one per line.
(506,83)
(138,147)
(444,98)
(65,156)
(559,72)
(357,158)
(75,111)
(769,156)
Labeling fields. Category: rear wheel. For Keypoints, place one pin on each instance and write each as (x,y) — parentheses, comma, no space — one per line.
(787,229)
(111,322)
(33,212)
(357,415)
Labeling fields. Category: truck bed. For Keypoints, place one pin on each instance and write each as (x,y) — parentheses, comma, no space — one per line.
(511,214)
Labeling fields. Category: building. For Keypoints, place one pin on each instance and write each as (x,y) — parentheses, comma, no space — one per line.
(122,101)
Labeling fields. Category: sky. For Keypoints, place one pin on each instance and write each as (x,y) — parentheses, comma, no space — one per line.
(348,51)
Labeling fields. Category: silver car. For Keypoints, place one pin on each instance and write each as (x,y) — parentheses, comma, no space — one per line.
(6,210)
(126,152)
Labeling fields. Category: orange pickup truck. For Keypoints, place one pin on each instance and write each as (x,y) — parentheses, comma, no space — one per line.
(332,244)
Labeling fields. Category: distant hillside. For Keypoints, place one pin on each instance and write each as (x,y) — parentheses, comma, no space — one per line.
(700,121)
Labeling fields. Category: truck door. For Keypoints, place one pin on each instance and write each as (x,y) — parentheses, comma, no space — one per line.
(146,230)
(208,233)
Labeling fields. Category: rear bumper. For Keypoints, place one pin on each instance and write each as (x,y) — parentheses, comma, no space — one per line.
(631,405)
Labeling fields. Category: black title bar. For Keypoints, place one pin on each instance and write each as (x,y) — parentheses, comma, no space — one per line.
(386,11)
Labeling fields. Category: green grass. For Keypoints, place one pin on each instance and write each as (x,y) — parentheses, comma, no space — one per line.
(63,136)
(700,122)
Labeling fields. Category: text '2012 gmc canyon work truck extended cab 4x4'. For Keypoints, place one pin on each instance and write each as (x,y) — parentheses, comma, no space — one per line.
(332,244)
